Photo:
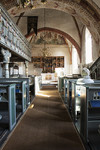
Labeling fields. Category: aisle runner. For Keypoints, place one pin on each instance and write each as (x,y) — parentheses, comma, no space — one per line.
(45,126)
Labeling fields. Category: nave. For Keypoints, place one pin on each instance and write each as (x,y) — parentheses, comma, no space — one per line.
(46,125)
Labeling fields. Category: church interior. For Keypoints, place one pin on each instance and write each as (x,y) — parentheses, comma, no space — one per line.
(49,74)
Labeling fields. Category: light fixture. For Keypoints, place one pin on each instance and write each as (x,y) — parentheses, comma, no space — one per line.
(45,51)
(30,3)
(43,1)
(24,3)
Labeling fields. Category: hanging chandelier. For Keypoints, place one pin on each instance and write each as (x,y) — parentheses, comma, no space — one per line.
(30,3)
(24,3)
(43,1)
(45,51)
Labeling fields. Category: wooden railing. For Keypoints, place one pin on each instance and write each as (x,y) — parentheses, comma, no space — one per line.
(11,38)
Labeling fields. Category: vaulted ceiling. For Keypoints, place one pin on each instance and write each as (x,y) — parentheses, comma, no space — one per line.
(67,17)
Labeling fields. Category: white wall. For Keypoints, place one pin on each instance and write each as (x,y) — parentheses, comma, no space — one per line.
(75,62)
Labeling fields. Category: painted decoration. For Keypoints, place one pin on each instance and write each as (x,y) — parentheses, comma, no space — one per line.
(48,37)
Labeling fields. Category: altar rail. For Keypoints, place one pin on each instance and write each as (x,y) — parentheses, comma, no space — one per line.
(11,38)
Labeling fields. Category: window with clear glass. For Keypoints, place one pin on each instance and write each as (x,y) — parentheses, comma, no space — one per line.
(74,59)
(88,46)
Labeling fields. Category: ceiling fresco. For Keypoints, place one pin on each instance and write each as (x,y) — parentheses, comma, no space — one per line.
(87,11)
(48,38)
(81,9)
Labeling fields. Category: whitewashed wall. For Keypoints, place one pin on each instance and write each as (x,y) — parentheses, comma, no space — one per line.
(75,62)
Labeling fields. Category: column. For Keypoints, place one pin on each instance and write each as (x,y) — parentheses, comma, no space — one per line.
(6,59)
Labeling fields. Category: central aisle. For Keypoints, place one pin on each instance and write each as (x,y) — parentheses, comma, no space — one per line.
(46,126)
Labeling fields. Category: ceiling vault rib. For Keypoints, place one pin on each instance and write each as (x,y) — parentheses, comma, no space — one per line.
(31,38)
(77,26)
(20,16)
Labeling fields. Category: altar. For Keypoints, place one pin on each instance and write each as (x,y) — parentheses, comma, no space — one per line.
(49,78)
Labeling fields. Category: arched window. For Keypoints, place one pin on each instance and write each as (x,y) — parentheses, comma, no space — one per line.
(75,60)
(88,46)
